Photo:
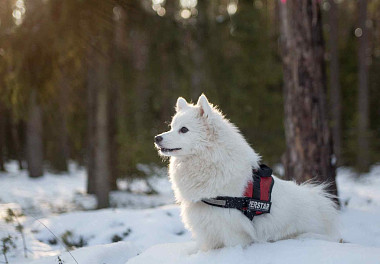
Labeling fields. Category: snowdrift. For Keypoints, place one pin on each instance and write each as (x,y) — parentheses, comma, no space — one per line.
(116,253)
(287,251)
(143,231)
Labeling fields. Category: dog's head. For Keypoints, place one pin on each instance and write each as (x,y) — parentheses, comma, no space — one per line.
(191,129)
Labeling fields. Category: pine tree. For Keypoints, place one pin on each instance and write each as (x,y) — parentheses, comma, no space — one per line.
(363,157)
(309,145)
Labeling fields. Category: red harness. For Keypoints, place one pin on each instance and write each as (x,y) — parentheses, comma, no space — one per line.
(263,185)
(257,195)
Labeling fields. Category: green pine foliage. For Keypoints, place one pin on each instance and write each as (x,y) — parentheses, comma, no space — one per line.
(235,56)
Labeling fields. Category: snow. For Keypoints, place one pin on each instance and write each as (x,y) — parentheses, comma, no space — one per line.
(286,251)
(60,193)
(110,253)
(150,227)
(41,196)
(142,227)
(360,198)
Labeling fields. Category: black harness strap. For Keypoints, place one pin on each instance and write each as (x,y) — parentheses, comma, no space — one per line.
(259,203)
(256,186)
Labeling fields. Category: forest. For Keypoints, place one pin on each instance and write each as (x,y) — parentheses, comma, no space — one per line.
(86,85)
(66,62)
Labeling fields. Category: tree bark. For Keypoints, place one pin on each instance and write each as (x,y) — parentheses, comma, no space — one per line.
(198,50)
(335,90)
(99,85)
(91,114)
(119,55)
(168,62)
(60,159)
(34,144)
(309,150)
(166,83)
(15,127)
(140,57)
(363,158)
(98,130)
(2,137)
(102,168)
(112,137)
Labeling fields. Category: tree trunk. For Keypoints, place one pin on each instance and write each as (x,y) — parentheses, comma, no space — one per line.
(99,82)
(140,57)
(119,54)
(34,145)
(309,150)
(16,141)
(198,50)
(335,94)
(168,62)
(60,159)
(166,84)
(102,162)
(98,121)
(112,137)
(91,114)
(2,137)
(363,158)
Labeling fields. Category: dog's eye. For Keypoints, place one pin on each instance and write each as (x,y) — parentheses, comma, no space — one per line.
(183,130)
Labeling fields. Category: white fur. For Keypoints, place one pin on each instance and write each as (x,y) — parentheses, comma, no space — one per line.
(215,160)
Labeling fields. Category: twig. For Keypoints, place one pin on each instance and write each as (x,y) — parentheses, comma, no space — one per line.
(6,259)
(58,239)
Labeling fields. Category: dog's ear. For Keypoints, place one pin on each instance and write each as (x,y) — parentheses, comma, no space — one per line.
(204,106)
(181,104)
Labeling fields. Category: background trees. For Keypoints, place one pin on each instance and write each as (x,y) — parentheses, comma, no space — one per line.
(105,75)
(309,153)
(335,87)
(363,61)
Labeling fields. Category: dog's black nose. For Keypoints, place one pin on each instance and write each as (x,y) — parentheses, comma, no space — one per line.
(158,139)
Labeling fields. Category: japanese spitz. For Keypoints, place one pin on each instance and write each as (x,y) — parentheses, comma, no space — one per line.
(209,157)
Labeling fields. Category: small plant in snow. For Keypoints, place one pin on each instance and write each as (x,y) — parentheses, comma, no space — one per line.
(6,245)
(59,260)
(69,239)
(116,238)
(127,232)
(52,241)
(13,217)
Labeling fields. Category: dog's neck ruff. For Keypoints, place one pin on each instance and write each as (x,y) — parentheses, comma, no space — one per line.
(257,195)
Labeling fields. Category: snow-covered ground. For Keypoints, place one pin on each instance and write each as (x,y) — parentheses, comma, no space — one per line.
(147,232)
(42,196)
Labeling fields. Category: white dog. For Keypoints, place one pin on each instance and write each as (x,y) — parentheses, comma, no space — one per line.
(209,158)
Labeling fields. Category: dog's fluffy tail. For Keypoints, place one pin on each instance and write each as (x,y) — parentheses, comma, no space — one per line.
(328,207)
